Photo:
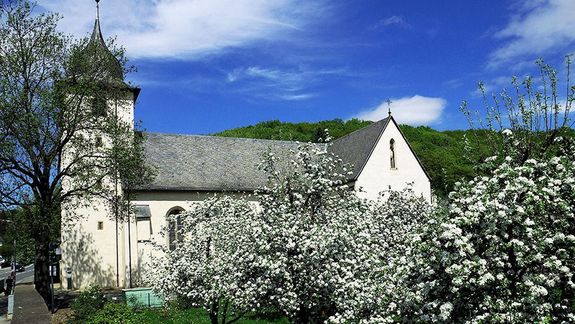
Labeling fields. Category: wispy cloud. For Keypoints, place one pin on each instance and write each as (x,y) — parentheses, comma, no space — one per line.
(415,110)
(184,29)
(397,21)
(276,83)
(274,75)
(536,28)
(297,97)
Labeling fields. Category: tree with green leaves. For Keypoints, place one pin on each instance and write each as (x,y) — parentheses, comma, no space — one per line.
(535,111)
(14,229)
(62,137)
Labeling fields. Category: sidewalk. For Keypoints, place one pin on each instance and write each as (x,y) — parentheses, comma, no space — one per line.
(3,308)
(29,307)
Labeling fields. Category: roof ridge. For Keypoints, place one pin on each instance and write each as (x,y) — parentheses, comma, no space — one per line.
(230,138)
(362,129)
(356,147)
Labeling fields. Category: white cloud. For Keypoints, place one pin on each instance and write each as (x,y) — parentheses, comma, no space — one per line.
(537,28)
(416,110)
(285,79)
(393,20)
(182,28)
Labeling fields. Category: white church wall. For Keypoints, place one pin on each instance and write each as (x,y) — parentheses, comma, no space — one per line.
(124,109)
(88,242)
(88,234)
(378,176)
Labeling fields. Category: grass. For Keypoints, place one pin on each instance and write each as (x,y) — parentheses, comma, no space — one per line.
(194,315)
(114,312)
(94,307)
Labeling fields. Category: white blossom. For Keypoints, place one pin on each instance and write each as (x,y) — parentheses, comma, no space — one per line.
(502,252)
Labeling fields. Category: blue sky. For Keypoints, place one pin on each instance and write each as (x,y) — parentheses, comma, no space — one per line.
(209,65)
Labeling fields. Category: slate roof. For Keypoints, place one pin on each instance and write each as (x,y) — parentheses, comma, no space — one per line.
(355,148)
(210,163)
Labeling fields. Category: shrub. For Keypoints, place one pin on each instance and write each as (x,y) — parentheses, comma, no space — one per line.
(87,303)
(113,312)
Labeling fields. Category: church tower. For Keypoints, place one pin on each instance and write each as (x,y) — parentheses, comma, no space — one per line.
(99,65)
(94,233)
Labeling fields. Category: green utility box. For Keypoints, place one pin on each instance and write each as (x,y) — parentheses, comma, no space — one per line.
(142,297)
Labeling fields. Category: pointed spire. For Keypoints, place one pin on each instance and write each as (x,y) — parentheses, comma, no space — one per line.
(99,56)
(97,37)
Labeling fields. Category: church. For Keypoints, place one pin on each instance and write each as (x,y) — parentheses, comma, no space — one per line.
(98,250)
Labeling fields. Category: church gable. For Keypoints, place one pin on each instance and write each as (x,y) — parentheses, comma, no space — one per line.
(355,148)
(392,164)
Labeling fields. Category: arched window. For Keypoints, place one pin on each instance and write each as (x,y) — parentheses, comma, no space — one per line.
(174,226)
(392,161)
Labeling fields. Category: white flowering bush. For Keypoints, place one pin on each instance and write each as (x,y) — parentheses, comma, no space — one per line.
(393,222)
(504,251)
(329,253)
(315,240)
(211,264)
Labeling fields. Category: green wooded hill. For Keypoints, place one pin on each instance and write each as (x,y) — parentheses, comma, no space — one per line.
(443,154)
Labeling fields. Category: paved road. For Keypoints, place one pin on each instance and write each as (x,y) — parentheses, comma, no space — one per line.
(26,276)
(21,277)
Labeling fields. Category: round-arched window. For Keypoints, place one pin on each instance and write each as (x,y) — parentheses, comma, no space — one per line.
(174,226)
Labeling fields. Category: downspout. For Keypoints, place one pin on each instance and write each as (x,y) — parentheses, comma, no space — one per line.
(129,251)
(116,195)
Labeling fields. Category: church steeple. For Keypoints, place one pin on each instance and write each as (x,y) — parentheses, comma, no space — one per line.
(97,32)
(97,56)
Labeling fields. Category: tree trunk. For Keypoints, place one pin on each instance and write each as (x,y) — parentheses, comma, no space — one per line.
(214,308)
(42,229)
(41,271)
(302,316)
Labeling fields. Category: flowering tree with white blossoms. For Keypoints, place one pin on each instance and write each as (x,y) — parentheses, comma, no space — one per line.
(504,250)
(211,264)
(326,251)
(315,240)
(395,217)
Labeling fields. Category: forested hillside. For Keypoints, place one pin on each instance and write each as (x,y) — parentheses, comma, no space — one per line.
(303,132)
(443,154)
